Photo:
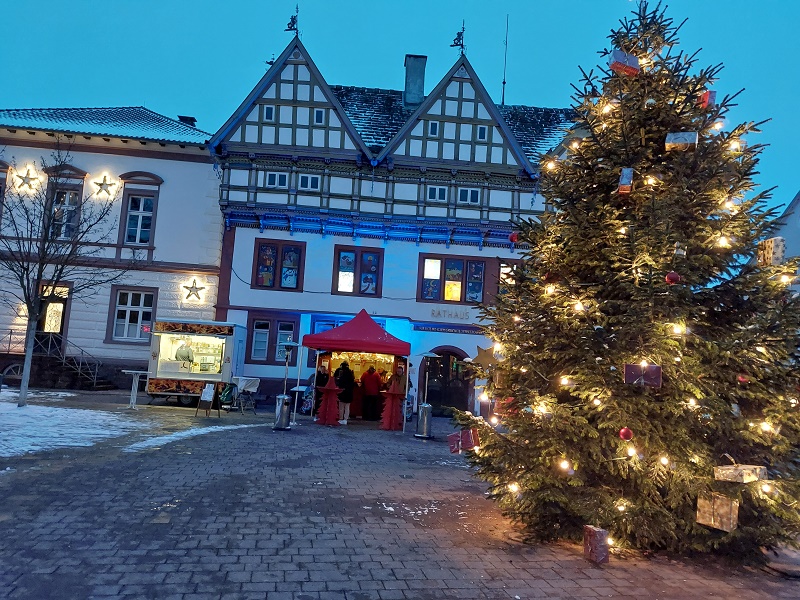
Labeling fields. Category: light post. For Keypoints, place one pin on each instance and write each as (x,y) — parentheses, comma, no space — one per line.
(424,410)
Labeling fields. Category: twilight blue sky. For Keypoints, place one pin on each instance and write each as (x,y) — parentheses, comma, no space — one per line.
(202,57)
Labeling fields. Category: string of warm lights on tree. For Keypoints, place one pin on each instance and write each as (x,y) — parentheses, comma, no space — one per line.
(646,374)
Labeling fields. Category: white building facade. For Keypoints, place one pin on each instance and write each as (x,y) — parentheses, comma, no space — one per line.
(166,212)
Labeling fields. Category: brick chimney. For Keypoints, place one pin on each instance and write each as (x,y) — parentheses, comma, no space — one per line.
(414,92)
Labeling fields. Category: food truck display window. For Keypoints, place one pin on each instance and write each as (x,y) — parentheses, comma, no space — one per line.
(181,353)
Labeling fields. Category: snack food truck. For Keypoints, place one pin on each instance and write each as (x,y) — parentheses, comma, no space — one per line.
(187,355)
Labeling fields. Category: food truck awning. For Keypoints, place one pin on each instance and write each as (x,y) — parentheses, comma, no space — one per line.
(361,334)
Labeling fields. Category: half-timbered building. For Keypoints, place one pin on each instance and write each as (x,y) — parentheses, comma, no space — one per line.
(338,198)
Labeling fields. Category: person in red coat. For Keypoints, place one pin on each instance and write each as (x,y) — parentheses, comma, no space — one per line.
(371,389)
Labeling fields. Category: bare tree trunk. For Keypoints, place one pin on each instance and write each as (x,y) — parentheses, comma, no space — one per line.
(30,341)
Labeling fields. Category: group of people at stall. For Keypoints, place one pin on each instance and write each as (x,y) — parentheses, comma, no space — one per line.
(372,382)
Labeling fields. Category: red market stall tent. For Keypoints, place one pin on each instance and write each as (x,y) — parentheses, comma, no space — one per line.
(363,343)
(361,334)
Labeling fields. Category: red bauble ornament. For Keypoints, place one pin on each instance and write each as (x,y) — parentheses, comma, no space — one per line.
(513,237)
(672,278)
(742,378)
(626,434)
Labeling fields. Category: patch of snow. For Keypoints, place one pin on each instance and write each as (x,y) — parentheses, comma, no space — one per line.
(35,428)
(12,395)
(179,435)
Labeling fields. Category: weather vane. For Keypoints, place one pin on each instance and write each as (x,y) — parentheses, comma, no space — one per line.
(458,42)
(292,25)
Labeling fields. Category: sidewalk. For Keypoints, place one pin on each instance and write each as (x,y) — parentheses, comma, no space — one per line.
(313,513)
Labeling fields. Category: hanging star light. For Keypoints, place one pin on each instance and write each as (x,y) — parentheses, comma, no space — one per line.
(105,186)
(27,179)
(485,357)
(194,290)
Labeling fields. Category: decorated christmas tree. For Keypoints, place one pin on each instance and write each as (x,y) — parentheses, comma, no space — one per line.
(647,380)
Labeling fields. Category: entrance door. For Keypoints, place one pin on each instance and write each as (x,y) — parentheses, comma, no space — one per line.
(448,384)
(50,329)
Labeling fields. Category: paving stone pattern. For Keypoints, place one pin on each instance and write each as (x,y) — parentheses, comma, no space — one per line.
(314,513)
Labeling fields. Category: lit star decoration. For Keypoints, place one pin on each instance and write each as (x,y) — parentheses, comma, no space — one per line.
(105,186)
(27,179)
(194,290)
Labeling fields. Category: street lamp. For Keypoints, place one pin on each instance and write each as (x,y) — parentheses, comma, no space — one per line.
(424,410)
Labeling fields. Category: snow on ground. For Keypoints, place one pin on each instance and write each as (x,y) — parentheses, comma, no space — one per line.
(35,428)
(157,442)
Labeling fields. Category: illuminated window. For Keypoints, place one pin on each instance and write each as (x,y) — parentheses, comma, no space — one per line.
(452,279)
(357,271)
(278,265)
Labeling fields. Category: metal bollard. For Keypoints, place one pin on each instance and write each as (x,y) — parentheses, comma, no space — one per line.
(424,413)
(283,412)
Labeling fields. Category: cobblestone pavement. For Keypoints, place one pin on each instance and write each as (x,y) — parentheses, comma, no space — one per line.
(332,513)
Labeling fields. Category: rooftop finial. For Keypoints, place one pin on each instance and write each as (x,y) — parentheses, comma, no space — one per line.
(458,42)
(292,25)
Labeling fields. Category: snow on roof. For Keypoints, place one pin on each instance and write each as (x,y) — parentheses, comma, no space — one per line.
(129,122)
(538,130)
(379,114)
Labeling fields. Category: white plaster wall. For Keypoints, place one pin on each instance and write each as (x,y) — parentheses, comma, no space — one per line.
(188,231)
(398,306)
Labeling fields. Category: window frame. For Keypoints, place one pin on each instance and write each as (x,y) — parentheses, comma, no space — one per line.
(127,214)
(469,191)
(113,306)
(275,319)
(319,111)
(485,130)
(437,187)
(311,177)
(271,118)
(278,175)
(359,251)
(75,210)
(491,278)
(431,133)
(279,244)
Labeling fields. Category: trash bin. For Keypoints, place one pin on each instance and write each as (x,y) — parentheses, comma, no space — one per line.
(424,413)
(283,412)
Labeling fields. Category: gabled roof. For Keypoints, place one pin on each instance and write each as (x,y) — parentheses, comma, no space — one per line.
(376,114)
(129,122)
(538,130)
(462,65)
(272,74)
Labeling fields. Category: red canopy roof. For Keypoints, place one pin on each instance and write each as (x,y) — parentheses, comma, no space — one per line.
(361,334)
